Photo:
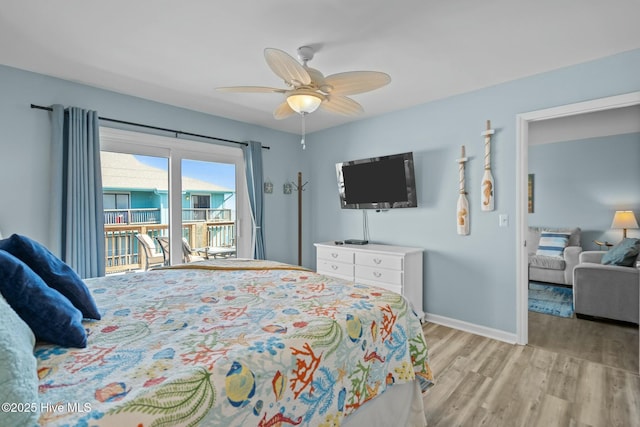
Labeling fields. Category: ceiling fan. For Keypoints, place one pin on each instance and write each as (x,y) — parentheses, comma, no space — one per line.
(307,89)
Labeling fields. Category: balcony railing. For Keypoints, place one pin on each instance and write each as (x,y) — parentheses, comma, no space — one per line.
(132,216)
(124,254)
(153,215)
(206,214)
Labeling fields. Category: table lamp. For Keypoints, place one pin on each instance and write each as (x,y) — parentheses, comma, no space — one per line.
(624,220)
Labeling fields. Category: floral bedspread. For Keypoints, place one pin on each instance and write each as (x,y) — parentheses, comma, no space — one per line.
(231,344)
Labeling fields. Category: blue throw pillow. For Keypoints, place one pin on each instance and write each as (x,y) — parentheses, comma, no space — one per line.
(53,271)
(624,253)
(49,314)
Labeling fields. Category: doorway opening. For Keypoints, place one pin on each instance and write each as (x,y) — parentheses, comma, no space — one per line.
(523,122)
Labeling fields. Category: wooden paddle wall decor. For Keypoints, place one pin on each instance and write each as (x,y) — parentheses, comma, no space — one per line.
(488,184)
(463,204)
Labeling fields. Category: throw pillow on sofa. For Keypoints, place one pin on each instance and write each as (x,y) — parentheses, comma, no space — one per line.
(624,253)
(552,243)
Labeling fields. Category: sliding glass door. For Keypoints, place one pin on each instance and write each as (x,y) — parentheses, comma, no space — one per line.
(135,198)
(189,198)
(209,208)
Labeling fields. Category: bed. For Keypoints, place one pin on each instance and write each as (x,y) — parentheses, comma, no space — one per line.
(238,343)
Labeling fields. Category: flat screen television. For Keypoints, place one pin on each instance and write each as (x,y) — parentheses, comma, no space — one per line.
(383,182)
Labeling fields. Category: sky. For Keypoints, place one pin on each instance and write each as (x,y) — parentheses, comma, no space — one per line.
(222,174)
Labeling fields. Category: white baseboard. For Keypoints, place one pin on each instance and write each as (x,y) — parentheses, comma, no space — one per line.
(472,328)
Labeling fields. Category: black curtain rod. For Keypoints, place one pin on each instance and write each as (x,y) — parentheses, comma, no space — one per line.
(176,132)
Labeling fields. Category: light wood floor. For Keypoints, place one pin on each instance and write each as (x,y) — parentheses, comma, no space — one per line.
(610,344)
(484,382)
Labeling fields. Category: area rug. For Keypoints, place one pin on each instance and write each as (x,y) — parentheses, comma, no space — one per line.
(553,300)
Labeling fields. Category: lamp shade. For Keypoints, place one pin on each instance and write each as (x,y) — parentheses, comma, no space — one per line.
(304,101)
(624,219)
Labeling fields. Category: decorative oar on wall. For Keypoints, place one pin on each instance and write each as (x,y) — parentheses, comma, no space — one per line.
(463,203)
(488,187)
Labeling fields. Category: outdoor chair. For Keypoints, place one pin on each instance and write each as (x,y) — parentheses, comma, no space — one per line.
(164,246)
(187,252)
(152,256)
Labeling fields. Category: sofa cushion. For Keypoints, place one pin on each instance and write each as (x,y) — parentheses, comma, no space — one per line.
(547,262)
(624,253)
(552,243)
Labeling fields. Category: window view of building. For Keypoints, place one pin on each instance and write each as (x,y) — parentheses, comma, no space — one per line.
(136,201)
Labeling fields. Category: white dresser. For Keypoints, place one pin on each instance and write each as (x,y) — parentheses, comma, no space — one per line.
(396,268)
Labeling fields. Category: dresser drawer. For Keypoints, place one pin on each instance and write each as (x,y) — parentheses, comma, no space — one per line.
(379,260)
(394,268)
(334,268)
(380,275)
(335,254)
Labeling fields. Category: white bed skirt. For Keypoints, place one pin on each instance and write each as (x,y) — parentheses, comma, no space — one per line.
(400,405)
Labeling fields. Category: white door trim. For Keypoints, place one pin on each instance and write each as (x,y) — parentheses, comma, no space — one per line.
(522,159)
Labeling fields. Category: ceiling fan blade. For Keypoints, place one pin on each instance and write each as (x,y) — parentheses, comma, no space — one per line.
(286,67)
(250,89)
(341,105)
(283,111)
(353,82)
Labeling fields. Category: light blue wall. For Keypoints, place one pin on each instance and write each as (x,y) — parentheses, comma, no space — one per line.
(582,183)
(468,278)
(24,151)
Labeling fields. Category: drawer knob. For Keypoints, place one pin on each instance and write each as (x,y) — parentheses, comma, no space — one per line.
(377,274)
(334,255)
(334,267)
(377,260)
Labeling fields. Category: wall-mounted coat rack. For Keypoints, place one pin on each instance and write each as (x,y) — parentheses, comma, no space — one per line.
(299,187)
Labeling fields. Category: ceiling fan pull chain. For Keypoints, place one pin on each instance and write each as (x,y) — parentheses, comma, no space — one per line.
(302,142)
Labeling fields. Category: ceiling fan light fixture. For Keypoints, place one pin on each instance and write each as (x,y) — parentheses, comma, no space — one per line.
(305,102)
(308,89)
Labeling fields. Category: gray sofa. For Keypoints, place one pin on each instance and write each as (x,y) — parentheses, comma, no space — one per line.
(608,291)
(551,269)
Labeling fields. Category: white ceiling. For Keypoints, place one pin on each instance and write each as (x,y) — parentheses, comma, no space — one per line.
(178,52)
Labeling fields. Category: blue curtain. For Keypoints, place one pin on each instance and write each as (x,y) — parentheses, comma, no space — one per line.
(253,165)
(77,219)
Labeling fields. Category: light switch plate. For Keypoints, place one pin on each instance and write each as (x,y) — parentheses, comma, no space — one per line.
(503,220)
